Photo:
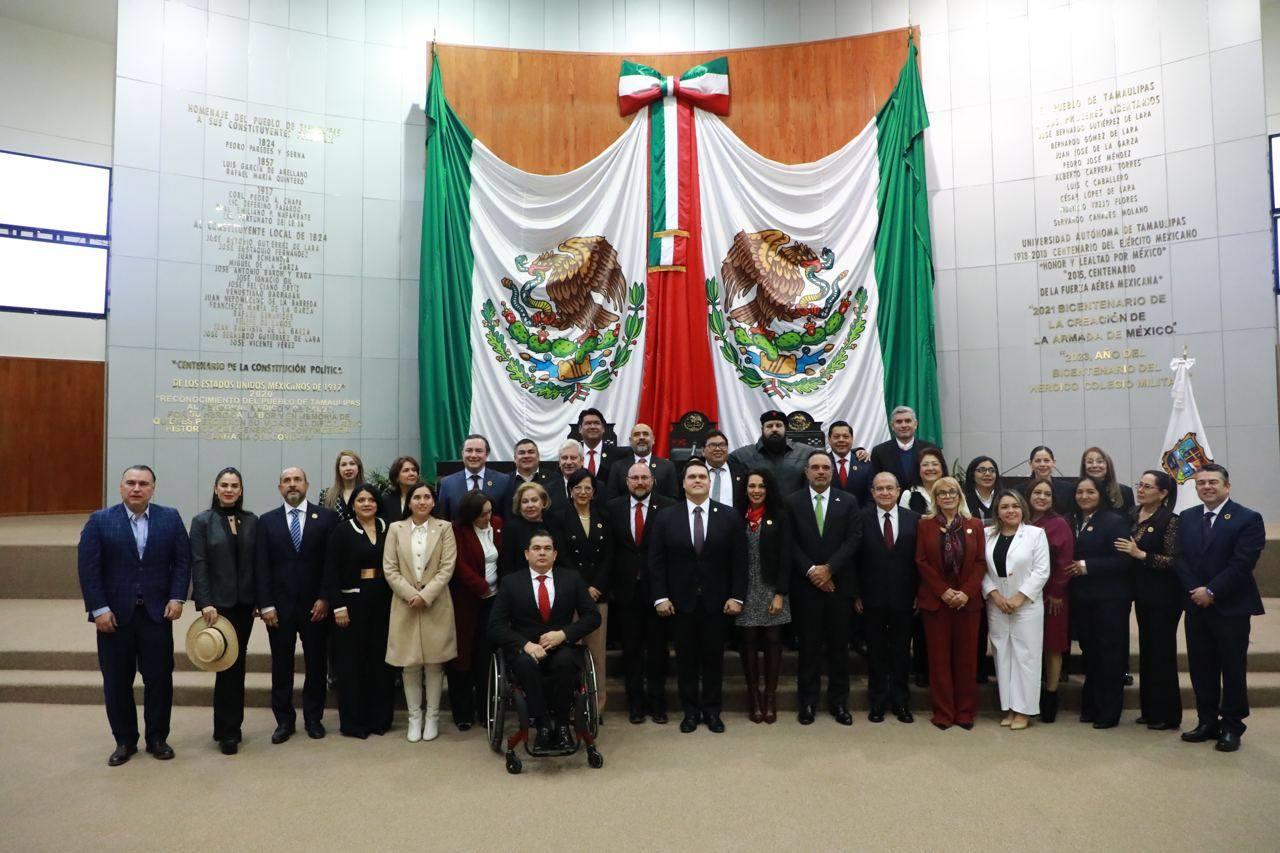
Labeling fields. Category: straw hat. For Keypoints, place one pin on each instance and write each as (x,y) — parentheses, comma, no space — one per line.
(212,648)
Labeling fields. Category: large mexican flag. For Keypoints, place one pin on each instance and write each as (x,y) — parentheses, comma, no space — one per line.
(678,270)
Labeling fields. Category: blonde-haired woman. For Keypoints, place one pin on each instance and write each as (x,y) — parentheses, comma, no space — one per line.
(950,555)
(1017,570)
(418,563)
(348,472)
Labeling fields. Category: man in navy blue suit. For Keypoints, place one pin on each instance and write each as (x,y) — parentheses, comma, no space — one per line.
(1219,543)
(474,476)
(288,568)
(134,562)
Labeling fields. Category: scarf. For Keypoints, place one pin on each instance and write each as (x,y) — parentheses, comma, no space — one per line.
(754,516)
(952,545)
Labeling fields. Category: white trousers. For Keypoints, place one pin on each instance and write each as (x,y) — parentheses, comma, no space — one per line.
(1018,641)
(413,683)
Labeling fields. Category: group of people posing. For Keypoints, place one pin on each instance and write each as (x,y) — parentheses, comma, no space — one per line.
(424,582)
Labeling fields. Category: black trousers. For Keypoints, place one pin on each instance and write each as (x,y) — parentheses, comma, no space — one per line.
(1218,655)
(315,655)
(144,645)
(366,684)
(1158,614)
(888,657)
(699,637)
(548,684)
(644,653)
(919,647)
(1104,640)
(467,686)
(824,619)
(228,686)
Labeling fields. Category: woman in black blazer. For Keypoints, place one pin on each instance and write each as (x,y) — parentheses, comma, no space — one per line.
(529,511)
(360,599)
(585,545)
(766,608)
(404,474)
(981,485)
(222,547)
(1158,599)
(1101,589)
(1096,463)
(1043,463)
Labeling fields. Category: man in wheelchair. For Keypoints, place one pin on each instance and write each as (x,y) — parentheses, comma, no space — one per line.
(533,622)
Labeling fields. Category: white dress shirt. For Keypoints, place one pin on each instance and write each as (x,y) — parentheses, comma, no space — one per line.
(632,521)
(893,520)
(467,475)
(288,526)
(826,510)
(689,507)
(551,585)
(485,535)
(724,481)
(418,545)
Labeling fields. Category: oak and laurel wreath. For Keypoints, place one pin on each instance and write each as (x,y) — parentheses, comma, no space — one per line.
(751,377)
(523,375)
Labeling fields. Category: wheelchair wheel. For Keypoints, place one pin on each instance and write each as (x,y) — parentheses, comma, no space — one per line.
(590,703)
(496,701)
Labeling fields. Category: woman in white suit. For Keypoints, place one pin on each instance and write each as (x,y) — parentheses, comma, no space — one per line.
(418,563)
(1017,569)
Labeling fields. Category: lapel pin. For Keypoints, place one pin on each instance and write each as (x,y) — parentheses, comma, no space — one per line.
(1089,528)
(488,482)
(1227,517)
(768,521)
(315,515)
(1151,530)
(598,524)
(968,531)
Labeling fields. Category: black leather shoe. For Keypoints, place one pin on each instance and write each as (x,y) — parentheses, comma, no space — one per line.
(968,727)
(564,738)
(464,727)
(160,749)
(1128,679)
(1228,742)
(1141,721)
(1202,733)
(228,747)
(903,715)
(876,715)
(689,723)
(1106,724)
(283,732)
(122,754)
(805,717)
(659,717)
(1161,727)
(636,717)
(842,715)
(315,730)
(1086,718)
(714,722)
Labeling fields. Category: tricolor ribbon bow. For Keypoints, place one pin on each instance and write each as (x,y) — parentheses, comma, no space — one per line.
(705,86)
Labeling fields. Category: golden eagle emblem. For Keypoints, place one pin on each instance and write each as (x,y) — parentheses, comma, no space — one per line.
(570,277)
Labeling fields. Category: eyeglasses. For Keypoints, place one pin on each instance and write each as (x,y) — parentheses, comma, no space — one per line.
(719,445)
(946,493)
(1141,485)
(984,470)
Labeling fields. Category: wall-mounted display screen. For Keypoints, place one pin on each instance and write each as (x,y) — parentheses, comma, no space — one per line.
(54,235)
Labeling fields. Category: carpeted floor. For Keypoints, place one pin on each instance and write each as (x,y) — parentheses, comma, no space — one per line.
(872,787)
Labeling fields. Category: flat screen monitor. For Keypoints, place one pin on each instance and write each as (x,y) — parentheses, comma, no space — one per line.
(54,235)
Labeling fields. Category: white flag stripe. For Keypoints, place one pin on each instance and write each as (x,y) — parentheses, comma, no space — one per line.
(830,203)
(1184,420)
(520,213)
(630,84)
(712,84)
(672,153)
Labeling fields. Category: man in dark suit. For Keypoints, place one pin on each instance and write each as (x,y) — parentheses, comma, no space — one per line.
(825,531)
(289,569)
(557,484)
(887,581)
(533,622)
(852,472)
(134,562)
(665,481)
(728,476)
(698,576)
(900,454)
(474,476)
(597,457)
(644,634)
(528,461)
(1219,543)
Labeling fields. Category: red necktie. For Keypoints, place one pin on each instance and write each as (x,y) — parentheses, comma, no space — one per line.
(591,462)
(844,474)
(639,536)
(888,532)
(544,599)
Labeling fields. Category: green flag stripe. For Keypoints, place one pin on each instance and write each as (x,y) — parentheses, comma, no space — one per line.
(444,289)
(904,256)
(657,180)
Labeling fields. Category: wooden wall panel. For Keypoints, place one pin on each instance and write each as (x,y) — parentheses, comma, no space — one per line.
(549,112)
(52,423)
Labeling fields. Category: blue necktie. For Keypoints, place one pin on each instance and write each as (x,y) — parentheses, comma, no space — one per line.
(295,529)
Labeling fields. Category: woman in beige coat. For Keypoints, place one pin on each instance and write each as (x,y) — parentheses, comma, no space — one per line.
(418,562)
